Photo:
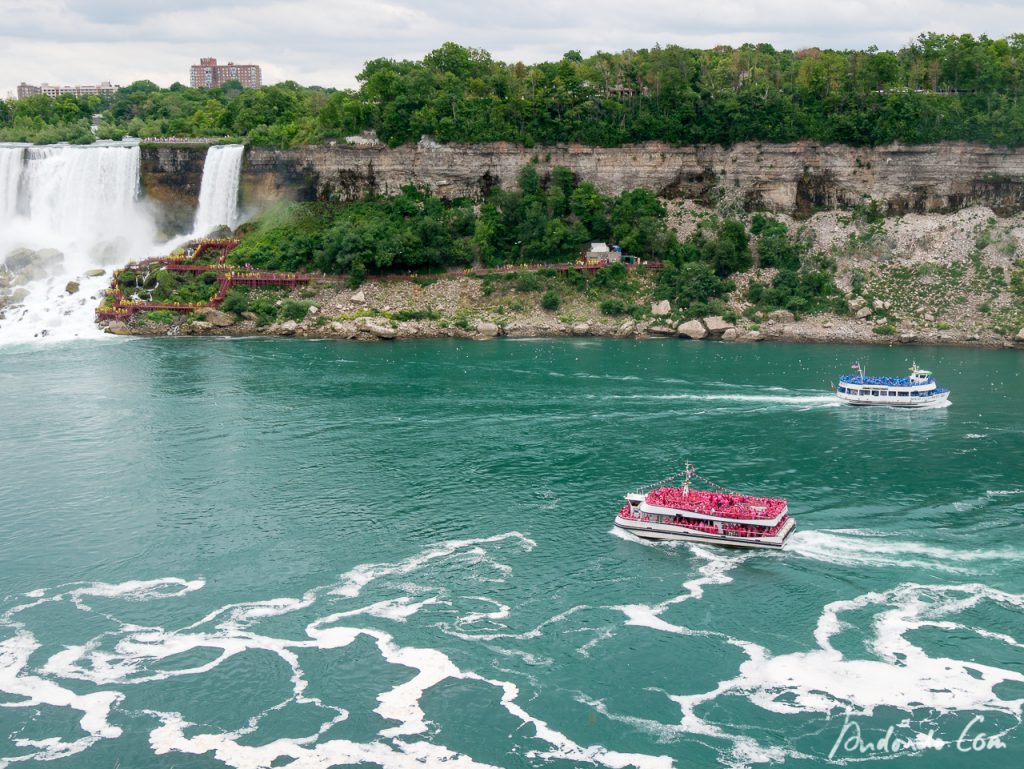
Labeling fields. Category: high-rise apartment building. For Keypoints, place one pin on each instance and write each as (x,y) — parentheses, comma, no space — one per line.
(209,74)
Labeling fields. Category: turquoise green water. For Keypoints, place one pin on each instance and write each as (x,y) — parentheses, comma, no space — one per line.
(278,553)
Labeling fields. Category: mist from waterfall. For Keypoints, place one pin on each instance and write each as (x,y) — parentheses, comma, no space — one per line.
(218,192)
(65,210)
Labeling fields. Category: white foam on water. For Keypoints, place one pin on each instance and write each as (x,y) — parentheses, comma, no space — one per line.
(566,749)
(899,674)
(35,691)
(226,748)
(359,577)
(627,536)
(129,654)
(715,571)
(397,609)
(882,550)
(535,632)
(820,680)
(501,612)
(744,750)
(603,634)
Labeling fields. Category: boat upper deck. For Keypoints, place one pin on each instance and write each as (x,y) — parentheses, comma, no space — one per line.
(884,381)
(717,504)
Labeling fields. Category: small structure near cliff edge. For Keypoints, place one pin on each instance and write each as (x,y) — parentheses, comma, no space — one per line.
(602,253)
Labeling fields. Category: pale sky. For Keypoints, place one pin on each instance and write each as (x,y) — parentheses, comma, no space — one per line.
(326,42)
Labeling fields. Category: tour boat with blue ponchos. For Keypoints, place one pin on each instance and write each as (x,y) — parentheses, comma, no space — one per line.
(716,516)
(915,391)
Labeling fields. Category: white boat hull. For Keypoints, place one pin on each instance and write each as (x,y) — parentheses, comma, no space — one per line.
(668,532)
(896,401)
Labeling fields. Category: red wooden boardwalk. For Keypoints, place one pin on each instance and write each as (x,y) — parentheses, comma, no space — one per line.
(122,308)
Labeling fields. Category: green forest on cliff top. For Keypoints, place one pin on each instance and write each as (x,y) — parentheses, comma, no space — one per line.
(940,87)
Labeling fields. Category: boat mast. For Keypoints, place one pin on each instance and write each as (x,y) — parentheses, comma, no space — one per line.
(690,469)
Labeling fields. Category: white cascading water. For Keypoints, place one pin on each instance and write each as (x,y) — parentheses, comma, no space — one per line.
(82,202)
(218,193)
(11,160)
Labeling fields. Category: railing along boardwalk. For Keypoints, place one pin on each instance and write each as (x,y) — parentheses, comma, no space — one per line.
(122,307)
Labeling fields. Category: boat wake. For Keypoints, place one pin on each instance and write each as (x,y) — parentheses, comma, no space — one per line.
(883,551)
(805,401)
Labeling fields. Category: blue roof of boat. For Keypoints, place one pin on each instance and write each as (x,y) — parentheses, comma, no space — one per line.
(890,381)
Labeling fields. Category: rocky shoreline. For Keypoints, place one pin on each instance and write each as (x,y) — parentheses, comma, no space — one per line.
(459,310)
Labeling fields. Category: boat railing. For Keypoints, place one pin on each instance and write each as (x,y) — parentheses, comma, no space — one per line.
(708,527)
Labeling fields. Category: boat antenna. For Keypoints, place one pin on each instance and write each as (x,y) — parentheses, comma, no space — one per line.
(690,470)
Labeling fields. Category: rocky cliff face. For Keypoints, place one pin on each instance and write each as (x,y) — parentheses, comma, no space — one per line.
(171,177)
(798,178)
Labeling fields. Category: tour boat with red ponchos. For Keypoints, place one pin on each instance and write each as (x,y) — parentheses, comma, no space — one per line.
(716,516)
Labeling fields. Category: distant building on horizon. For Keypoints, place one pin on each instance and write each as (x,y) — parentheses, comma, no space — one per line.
(103,89)
(209,74)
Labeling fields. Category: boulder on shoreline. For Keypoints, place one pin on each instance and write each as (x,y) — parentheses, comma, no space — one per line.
(716,325)
(692,329)
(379,330)
(118,327)
(218,318)
(487,330)
(781,316)
(660,309)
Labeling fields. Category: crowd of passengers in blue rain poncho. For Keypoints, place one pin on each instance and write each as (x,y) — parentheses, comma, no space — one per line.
(880,380)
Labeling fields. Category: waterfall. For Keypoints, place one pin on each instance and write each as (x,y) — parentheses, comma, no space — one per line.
(84,195)
(65,210)
(218,193)
(11,159)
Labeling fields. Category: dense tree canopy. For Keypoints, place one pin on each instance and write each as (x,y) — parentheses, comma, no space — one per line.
(939,87)
(549,219)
